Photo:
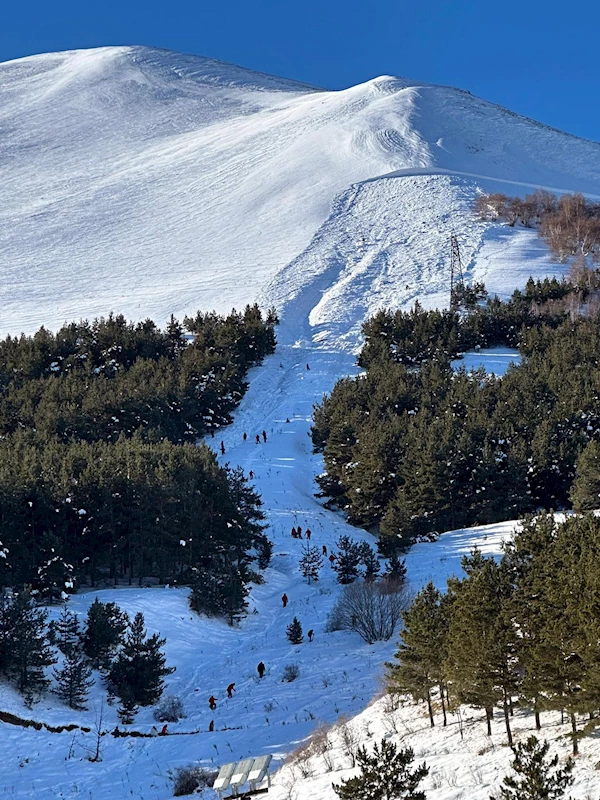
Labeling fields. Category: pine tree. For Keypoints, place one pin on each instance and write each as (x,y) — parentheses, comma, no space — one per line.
(138,671)
(294,631)
(311,563)
(24,647)
(66,631)
(103,633)
(420,657)
(74,679)
(219,593)
(585,490)
(128,709)
(482,642)
(536,777)
(370,562)
(396,570)
(384,775)
(348,559)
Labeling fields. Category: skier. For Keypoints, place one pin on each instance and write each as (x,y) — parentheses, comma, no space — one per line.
(299,532)
(245,436)
(211,726)
(261,669)
(308,533)
(230,690)
(311,633)
(164,730)
(222,448)
(212,702)
(307,367)
(264,436)
(324,550)
(284,599)
(257,439)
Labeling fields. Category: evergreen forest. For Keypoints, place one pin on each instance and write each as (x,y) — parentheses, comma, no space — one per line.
(101,479)
(523,629)
(413,447)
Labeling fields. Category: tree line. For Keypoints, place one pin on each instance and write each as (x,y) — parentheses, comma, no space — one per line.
(524,629)
(413,447)
(100,478)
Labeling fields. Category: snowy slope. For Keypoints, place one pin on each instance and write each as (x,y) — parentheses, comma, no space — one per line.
(150,182)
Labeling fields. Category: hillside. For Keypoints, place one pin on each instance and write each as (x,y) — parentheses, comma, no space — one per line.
(153,183)
(150,182)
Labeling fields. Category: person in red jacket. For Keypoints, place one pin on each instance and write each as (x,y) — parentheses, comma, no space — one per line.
(212,702)
(230,690)
(284,599)
(163,731)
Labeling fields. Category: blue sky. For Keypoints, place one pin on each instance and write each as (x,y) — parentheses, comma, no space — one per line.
(537,58)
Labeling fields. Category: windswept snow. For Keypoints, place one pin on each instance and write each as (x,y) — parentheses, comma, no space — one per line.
(149,182)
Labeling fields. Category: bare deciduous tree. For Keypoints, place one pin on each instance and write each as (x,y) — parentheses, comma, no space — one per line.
(372,610)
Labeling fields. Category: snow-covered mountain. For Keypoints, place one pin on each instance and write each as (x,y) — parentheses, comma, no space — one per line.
(150,182)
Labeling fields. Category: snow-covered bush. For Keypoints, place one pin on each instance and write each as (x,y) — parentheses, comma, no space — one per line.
(290,673)
(187,779)
(170,709)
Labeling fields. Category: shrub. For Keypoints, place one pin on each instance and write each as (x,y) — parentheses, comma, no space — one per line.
(187,779)
(373,610)
(290,673)
(170,709)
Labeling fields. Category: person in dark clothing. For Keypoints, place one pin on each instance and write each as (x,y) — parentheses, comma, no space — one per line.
(211,726)
(307,367)
(310,634)
(284,599)
(308,533)
(261,669)
(250,474)
(257,438)
(294,533)
(230,690)
(245,436)
(222,448)
(264,436)
(299,532)
(212,702)
(324,550)
(287,419)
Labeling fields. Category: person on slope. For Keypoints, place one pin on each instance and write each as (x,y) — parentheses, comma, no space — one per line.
(223,448)
(230,690)
(264,435)
(310,634)
(261,669)
(307,367)
(245,436)
(308,533)
(257,438)
(284,599)
(332,558)
(164,730)
(324,549)
(212,702)
(250,474)
(211,726)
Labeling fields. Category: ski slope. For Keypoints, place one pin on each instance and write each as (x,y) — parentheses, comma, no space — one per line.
(151,183)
